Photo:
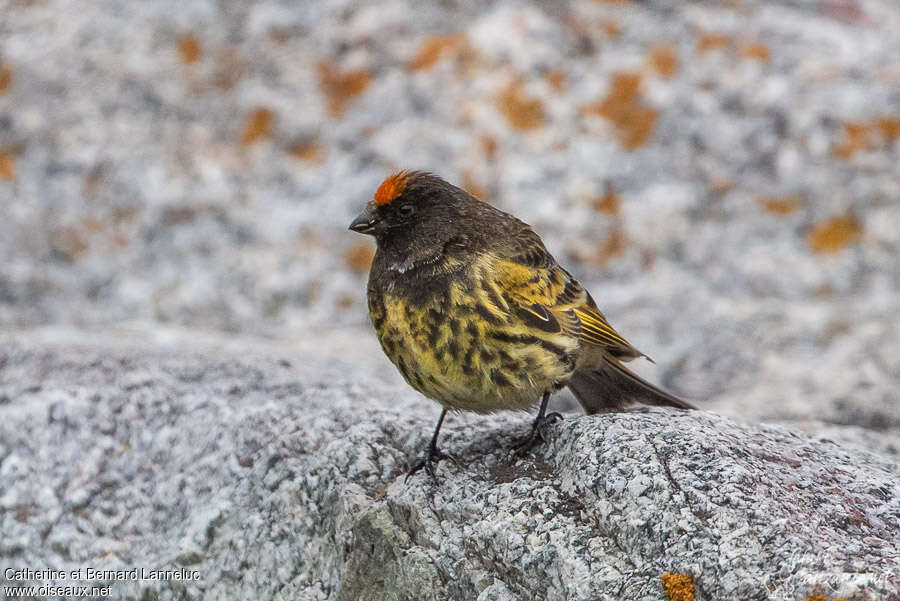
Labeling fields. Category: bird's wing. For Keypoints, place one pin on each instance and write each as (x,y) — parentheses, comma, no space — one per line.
(549,297)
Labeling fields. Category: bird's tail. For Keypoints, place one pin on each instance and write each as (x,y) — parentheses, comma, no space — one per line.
(612,386)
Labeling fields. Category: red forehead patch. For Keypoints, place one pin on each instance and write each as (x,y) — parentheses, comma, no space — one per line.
(392,187)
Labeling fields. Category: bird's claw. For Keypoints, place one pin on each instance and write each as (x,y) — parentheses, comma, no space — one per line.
(552,418)
(432,457)
(523,447)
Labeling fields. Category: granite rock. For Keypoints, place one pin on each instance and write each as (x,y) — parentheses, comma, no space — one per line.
(283,478)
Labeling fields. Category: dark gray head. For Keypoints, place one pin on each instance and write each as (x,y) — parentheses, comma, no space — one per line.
(415,215)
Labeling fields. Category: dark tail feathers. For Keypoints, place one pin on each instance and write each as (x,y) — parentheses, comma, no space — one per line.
(612,387)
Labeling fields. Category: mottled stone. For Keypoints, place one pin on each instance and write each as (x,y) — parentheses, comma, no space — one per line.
(284,479)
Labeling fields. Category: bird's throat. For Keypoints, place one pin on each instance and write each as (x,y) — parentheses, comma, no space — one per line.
(411,263)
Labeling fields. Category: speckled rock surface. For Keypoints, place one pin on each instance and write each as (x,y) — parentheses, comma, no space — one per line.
(723,176)
(277,479)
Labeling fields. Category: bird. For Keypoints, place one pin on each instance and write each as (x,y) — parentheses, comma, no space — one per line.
(477,315)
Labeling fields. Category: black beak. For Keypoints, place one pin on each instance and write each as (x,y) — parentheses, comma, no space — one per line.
(364,223)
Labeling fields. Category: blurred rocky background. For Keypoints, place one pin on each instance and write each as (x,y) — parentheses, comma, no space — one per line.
(723,176)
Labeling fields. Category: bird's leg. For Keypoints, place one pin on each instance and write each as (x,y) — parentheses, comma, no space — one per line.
(535,437)
(433,455)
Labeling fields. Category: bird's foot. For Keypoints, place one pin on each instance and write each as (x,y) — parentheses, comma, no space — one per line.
(432,457)
(524,446)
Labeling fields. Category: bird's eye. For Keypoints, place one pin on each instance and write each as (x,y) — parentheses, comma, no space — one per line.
(407,210)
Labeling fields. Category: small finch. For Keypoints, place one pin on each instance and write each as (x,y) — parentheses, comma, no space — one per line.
(477,315)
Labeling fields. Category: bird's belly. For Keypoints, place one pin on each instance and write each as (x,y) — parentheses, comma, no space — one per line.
(469,360)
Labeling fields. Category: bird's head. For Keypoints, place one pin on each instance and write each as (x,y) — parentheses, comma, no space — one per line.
(415,214)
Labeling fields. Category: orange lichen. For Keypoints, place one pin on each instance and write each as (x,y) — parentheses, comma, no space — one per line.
(5,77)
(889,126)
(634,122)
(609,202)
(784,205)
(678,587)
(522,112)
(613,246)
(341,88)
(855,139)
(867,135)
(664,60)
(721,186)
(611,28)
(639,128)
(556,79)
(624,89)
(308,150)
(834,234)
(392,187)
(816,598)
(359,257)
(712,41)
(345,301)
(489,146)
(258,126)
(189,49)
(7,165)
(433,48)
(471,185)
(757,52)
